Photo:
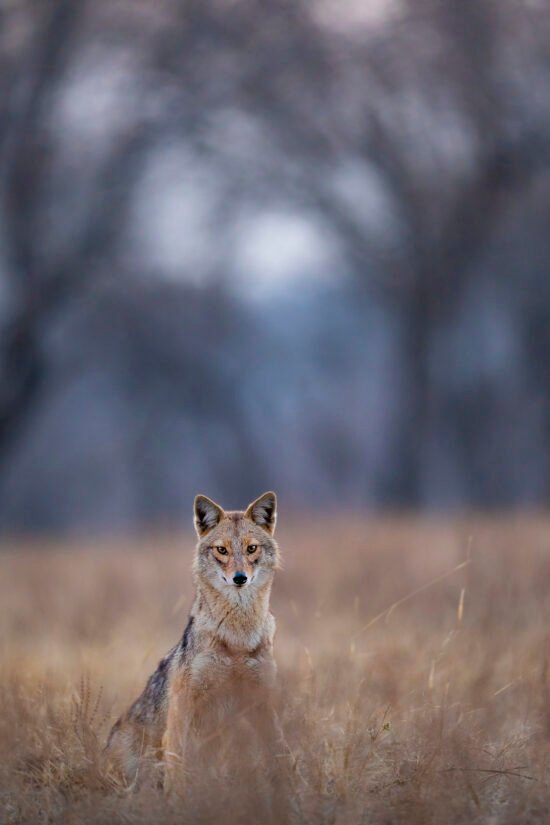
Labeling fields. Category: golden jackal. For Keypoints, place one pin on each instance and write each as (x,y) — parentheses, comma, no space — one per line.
(221,672)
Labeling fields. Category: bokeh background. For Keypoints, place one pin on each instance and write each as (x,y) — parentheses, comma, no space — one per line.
(289,244)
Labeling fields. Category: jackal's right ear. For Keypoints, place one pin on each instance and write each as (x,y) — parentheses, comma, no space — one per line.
(206,514)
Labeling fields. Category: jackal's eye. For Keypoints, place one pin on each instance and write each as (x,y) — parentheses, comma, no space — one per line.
(251,548)
(221,550)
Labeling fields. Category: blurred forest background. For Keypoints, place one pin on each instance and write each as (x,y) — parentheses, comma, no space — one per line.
(297,244)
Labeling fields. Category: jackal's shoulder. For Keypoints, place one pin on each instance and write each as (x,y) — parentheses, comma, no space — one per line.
(154,698)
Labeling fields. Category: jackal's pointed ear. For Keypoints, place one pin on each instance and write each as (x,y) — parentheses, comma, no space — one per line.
(206,514)
(263,512)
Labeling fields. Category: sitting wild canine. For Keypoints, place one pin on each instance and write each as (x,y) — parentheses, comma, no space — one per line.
(213,689)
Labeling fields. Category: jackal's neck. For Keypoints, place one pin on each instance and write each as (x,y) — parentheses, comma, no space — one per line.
(241,622)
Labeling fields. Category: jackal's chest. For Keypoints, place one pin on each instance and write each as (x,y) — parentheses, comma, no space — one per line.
(225,674)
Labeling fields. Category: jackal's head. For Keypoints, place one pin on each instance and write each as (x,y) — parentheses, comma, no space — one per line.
(236,550)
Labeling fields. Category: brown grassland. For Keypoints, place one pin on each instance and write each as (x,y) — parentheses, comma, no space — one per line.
(413,688)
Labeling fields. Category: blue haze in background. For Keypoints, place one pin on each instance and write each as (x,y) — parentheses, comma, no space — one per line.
(272,245)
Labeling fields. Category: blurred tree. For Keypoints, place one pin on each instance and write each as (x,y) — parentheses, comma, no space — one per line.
(406,144)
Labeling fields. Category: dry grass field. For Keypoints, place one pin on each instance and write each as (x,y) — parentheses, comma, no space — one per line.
(414,688)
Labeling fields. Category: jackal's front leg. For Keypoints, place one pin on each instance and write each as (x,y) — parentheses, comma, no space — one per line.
(176,738)
(274,751)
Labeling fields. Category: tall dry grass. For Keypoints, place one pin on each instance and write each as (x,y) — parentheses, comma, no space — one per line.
(414,688)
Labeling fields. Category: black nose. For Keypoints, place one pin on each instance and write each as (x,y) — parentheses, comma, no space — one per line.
(239,578)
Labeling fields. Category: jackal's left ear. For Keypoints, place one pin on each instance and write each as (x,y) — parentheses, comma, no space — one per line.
(263,512)
(206,514)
